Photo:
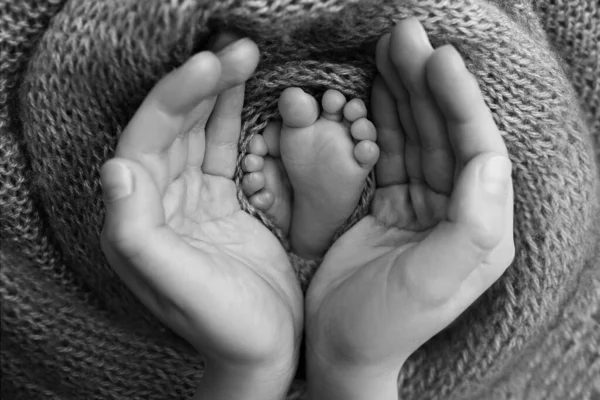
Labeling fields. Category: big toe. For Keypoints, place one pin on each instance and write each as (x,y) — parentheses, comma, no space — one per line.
(297,108)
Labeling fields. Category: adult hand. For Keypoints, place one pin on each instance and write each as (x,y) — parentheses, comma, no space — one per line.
(175,232)
(439,233)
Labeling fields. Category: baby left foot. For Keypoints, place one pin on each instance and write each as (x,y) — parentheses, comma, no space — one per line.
(265,181)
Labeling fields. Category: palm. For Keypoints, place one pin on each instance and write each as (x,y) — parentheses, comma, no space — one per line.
(210,271)
(255,289)
(434,241)
(204,210)
(355,274)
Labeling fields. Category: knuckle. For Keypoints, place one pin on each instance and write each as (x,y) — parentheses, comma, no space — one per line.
(507,253)
(120,238)
(485,238)
(429,292)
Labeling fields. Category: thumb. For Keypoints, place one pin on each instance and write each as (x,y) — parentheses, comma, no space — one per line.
(133,206)
(478,218)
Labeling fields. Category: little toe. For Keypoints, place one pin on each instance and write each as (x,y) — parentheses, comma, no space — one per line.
(363,129)
(297,108)
(366,153)
(262,200)
(258,146)
(252,163)
(276,197)
(253,182)
(272,133)
(354,110)
(333,103)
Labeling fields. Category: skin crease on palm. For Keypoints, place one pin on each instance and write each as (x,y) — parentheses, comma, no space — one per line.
(430,246)
(180,240)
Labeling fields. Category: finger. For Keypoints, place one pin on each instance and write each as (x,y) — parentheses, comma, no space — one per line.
(238,60)
(221,40)
(159,120)
(412,147)
(150,135)
(133,205)
(195,128)
(487,273)
(390,169)
(136,239)
(223,134)
(477,217)
(469,121)
(409,51)
(178,158)
(165,113)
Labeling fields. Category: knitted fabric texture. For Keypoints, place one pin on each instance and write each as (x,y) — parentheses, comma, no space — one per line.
(72,74)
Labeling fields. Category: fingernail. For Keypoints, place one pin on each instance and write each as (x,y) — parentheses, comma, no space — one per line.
(117,181)
(222,41)
(495,175)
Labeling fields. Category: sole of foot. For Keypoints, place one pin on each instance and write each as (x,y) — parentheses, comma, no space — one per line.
(328,151)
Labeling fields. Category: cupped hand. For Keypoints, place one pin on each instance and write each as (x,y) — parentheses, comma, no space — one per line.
(174,229)
(440,231)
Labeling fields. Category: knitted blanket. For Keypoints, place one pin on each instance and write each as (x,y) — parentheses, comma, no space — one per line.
(72,73)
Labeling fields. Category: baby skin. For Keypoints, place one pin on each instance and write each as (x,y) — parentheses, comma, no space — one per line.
(439,232)
(308,171)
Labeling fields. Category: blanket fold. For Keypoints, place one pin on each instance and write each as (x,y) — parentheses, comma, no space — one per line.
(72,73)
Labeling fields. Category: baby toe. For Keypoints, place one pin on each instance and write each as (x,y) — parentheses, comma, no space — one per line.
(252,163)
(258,146)
(363,129)
(253,182)
(366,153)
(272,134)
(354,110)
(262,200)
(333,103)
(297,108)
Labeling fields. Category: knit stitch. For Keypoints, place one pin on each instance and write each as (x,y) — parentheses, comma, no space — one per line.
(73,72)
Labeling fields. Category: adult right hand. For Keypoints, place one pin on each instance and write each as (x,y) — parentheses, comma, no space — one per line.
(175,233)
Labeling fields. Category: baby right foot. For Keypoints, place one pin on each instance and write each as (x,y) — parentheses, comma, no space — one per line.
(328,154)
(309,174)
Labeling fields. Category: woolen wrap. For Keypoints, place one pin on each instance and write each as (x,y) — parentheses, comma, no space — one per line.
(72,74)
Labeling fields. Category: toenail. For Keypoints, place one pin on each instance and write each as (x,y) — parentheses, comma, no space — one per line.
(221,41)
(354,110)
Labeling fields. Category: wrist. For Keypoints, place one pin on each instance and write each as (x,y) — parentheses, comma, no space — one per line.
(231,381)
(333,381)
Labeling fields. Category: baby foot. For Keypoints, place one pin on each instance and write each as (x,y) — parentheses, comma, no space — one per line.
(265,182)
(327,159)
